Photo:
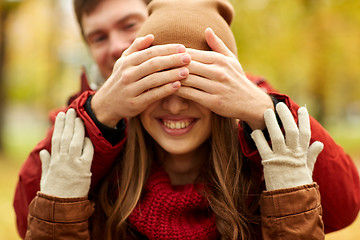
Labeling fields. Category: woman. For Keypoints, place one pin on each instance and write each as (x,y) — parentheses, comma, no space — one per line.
(182,174)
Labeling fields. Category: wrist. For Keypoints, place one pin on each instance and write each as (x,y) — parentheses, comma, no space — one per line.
(102,113)
(256,120)
(68,187)
(282,176)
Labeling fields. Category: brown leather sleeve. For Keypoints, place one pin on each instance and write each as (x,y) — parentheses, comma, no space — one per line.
(293,213)
(58,218)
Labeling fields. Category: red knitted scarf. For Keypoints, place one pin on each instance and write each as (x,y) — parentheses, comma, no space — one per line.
(173,212)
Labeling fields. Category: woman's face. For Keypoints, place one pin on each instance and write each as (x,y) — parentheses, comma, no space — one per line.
(178,125)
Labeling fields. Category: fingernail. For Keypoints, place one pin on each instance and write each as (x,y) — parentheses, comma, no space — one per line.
(176,84)
(180,49)
(209,29)
(186,58)
(183,72)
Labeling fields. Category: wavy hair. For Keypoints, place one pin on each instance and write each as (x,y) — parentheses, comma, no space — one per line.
(230,178)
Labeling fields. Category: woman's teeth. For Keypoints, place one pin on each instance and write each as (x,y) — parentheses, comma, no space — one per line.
(176,124)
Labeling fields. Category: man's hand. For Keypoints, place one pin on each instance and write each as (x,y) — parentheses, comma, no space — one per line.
(218,82)
(290,162)
(140,77)
(66,172)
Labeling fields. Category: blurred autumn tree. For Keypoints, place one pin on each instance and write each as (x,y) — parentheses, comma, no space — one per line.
(2,87)
(36,63)
(308,49)
(5,8)
(44,55)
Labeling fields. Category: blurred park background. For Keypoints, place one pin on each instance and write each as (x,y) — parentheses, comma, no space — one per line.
(308,49)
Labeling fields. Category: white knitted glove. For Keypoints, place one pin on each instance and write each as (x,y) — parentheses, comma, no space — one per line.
(66,173)
(290,162)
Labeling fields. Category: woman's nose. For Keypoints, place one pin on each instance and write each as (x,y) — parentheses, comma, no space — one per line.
(175,104)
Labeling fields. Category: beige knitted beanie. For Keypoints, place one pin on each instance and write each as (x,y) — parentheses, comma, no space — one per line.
(185,21)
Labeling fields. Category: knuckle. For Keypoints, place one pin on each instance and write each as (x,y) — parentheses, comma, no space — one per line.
(221,75)
(133,103)
(219,101)
(118,64)
(150,52)
(211,59)
(154,64)
(223,60)
(126,76)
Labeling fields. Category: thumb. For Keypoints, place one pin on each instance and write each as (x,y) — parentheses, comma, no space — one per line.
(261,144)
(312,154)
(45,161)
(216,44)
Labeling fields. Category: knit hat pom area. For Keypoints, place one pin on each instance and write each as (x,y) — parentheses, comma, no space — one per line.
(185,22)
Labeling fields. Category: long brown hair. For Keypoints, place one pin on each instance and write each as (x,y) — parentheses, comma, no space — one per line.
(229,178)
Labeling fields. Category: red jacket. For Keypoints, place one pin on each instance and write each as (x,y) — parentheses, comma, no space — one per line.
(334,170)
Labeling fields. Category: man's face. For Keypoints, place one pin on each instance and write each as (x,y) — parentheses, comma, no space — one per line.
(111,28)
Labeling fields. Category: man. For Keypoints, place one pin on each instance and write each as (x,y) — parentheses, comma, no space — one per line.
(109,27)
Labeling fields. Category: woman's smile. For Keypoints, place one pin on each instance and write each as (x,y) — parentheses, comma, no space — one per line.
(177,125)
